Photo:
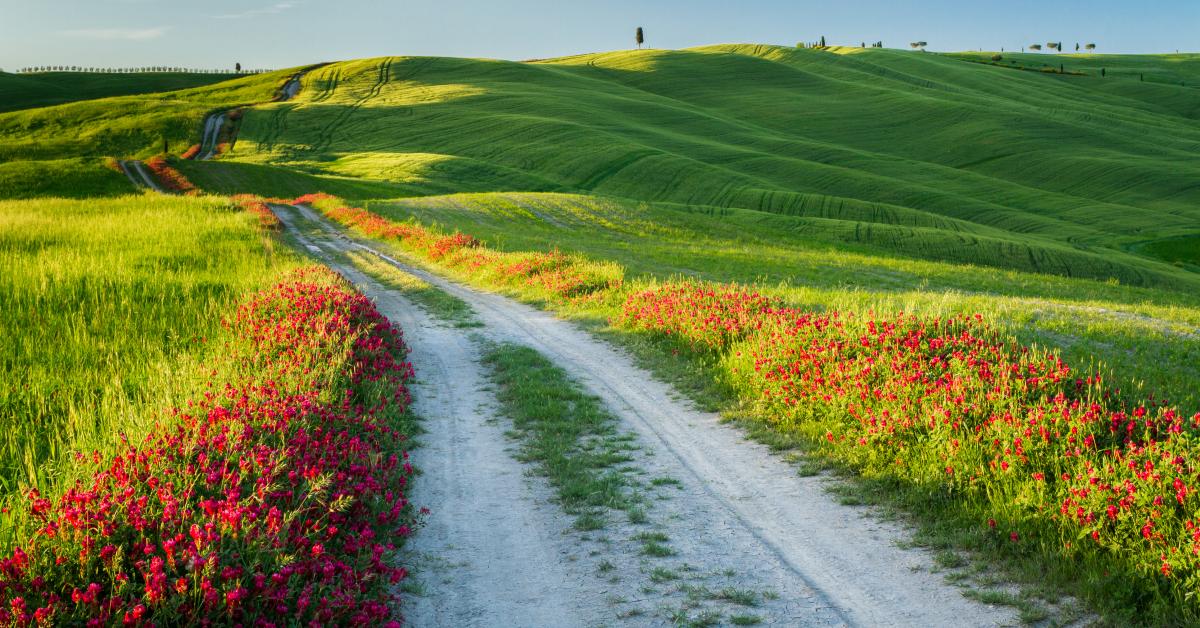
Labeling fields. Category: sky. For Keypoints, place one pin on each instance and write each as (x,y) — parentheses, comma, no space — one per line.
(287,33)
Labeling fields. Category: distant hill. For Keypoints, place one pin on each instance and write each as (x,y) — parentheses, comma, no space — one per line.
(43,89)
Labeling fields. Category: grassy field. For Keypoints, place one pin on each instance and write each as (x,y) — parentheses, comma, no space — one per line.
(963,494)
(69,141)
(110,305)
(44,89)
(1060,206)
(905,153)
(910,151)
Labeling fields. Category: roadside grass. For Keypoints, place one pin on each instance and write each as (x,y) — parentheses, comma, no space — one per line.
(225,176)
(555,421)
(81,178)
(110,307)
(1149,336)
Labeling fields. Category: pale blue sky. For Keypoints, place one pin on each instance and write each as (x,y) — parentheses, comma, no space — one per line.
(285,33)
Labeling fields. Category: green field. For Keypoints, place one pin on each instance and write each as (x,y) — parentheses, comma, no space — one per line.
(917,154)
(1065,205)
(43,89)
(1060,203)
(110,305)
(34,142)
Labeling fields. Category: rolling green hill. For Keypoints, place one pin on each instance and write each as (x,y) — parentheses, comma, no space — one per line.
(43,89)
(59,150)
(937,157)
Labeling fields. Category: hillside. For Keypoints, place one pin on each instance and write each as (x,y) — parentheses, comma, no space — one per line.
(963,289)
(1025,170)
(44,89)
(922,155)
(59,150)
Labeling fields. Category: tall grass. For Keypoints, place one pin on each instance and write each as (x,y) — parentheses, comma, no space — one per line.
(109,308)
(826,371)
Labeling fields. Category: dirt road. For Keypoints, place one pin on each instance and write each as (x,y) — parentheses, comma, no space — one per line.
(136,172)
(739,511)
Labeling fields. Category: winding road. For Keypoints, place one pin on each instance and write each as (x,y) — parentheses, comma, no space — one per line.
(505,554)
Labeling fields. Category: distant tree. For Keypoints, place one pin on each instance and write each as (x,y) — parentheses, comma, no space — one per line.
(822,41)
(862,45)
(1052,45)
(1061,69)
(997,57)
(1090,46)
(918,45)
(640,37)
(237,67)
(1102,73)
(1035,47)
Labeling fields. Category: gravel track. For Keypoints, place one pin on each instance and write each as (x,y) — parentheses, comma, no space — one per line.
(739,510)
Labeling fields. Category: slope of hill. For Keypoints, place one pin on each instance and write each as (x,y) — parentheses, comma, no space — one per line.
(919,154)
(44,89)
(1020,170)
(127,126)
(58,150)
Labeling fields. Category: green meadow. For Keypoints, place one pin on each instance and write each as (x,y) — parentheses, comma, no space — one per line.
(907,153)
(110,308)
(1055,194)
(43,89)
(1064,206)
(60,150)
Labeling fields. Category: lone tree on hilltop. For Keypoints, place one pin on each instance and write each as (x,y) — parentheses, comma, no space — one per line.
(237,67)
(1053,46)
(640,37)
(822,41)
(918,45)
(1035,46)
(1090,46)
